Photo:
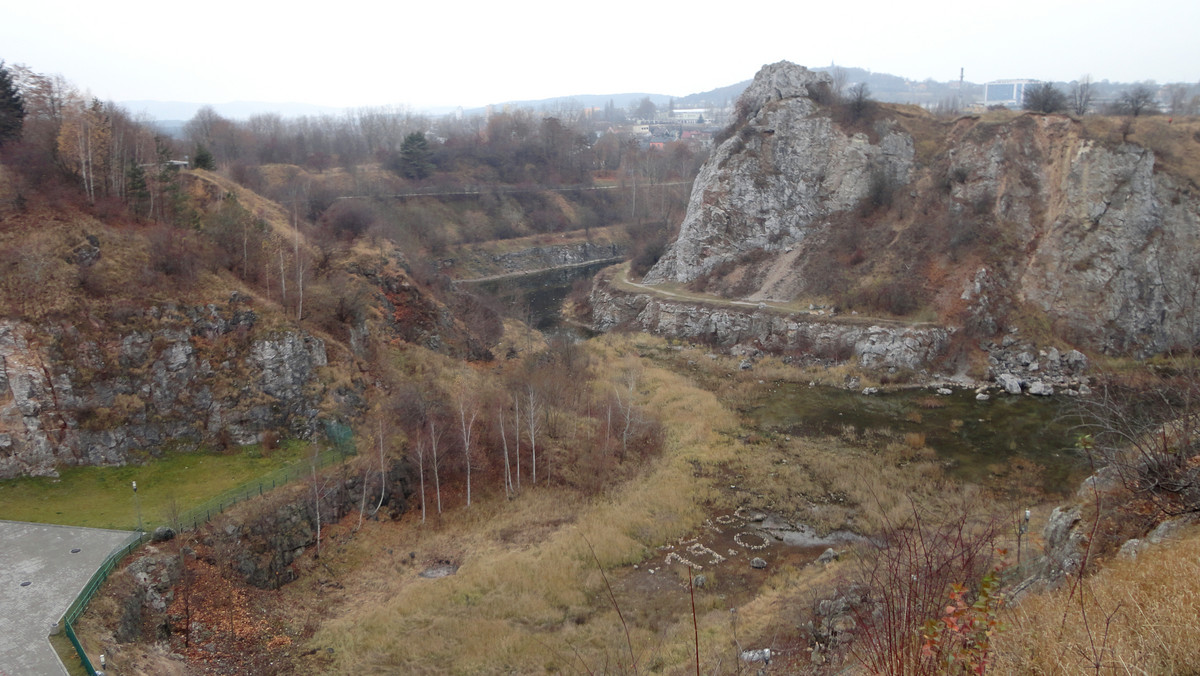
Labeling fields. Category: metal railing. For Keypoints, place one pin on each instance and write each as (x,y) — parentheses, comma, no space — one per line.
(195,517)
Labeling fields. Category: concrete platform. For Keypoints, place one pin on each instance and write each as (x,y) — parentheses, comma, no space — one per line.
(40,576)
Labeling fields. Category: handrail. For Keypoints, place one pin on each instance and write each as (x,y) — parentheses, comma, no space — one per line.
(195,517)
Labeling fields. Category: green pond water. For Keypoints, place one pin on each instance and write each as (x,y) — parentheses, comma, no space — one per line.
(972,436)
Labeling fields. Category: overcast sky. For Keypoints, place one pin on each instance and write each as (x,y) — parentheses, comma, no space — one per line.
(470,53)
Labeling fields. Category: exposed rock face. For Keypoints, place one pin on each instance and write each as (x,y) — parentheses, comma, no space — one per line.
(787,167)
(262,544)
(1116,249)
(1072,219)
(178,375)
(550,256)
(901,346)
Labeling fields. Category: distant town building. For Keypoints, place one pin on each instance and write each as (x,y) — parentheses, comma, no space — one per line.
(659,142)
(688,115)
(1009,93)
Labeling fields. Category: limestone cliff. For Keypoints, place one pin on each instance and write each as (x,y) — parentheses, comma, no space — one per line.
(1087,226)
(170,377)
(784,169)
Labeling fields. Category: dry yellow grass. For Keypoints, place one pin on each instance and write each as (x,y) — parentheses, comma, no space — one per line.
(1133,617)
(528,594)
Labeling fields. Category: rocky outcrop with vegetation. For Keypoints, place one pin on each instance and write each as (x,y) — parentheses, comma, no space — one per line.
(169,377)
(784,168)
(1080,225)
(874,345)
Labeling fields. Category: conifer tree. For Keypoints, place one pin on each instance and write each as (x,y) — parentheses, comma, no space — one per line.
(204,158)
(12,108)
(415,157)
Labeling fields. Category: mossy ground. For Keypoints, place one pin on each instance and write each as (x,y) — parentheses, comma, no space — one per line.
(102,497)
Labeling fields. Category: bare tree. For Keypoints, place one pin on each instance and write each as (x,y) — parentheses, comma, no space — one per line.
(630,416)
(1149,433)
(508,479)
(382,471)
(434,437)
(1044,98)
(533,414)
(517,435)
(1182,100)
(859,101)
(840,78)
(320,491)
(362,507)
(467,403)
(299,268)
(419,448)
(1139,100)
(186,587)
(1081,95)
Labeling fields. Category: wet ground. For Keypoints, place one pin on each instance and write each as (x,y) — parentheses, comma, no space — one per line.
(720,558)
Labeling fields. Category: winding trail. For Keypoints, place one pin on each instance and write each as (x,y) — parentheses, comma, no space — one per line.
(621,280)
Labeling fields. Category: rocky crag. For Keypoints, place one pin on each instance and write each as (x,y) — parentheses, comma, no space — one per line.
(166,377)
(785,167)
(1088,226)
(874,345)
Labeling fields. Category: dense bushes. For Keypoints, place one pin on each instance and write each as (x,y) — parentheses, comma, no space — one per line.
(648,243)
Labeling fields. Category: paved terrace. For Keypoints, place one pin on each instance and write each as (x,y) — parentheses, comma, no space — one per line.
(42,569)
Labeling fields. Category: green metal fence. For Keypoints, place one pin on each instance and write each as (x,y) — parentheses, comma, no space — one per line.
(191,519)
(203,513)
(89,590)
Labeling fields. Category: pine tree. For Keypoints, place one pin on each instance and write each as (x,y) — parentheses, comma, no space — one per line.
(12,108)
(138,190)
(204,159)
(415,157)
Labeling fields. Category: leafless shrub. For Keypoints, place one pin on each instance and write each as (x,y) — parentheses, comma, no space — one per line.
(1148,431)
(903,581)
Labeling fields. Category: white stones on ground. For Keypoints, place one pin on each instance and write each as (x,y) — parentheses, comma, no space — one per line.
(745,514)
(697,549)
(758,563)
(674,557)
(945,391)
(868,391)
(740,539)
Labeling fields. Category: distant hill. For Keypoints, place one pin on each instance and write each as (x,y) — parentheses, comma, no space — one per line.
(579,101)
(714,97)
(169,115)
(163,111)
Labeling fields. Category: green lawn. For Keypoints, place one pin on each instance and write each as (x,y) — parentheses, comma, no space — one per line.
(102,497)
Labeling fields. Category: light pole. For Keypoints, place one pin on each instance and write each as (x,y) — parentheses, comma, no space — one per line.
(137,504)
(1022,528)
